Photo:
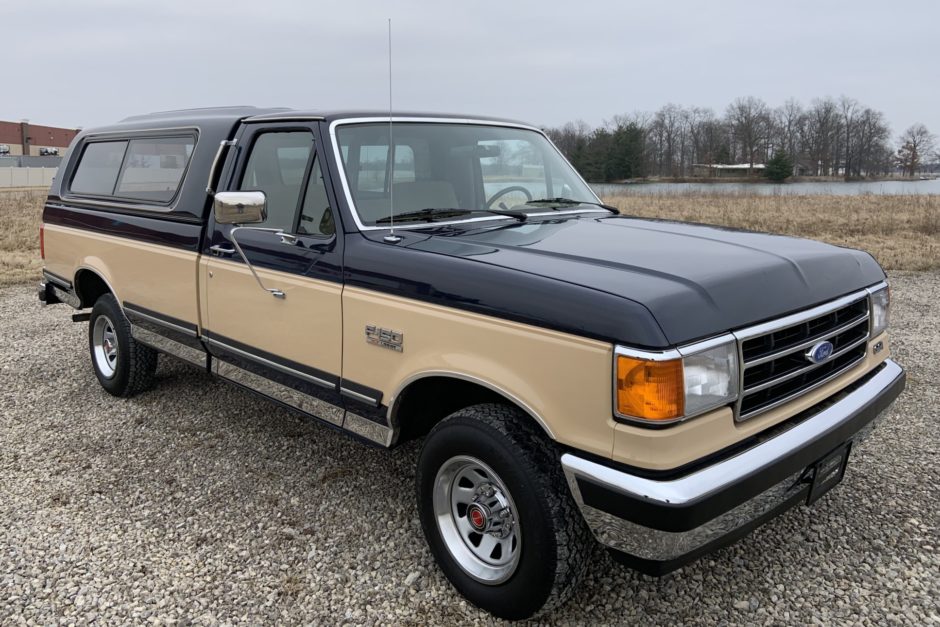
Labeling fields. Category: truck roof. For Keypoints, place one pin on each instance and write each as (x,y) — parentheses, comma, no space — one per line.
(227,116)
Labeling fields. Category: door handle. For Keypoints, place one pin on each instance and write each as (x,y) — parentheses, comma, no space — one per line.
(287,238)
(219,250)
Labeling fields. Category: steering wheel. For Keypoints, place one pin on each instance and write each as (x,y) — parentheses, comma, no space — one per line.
(507,190)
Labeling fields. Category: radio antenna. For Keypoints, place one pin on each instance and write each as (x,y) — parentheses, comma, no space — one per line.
(391,238)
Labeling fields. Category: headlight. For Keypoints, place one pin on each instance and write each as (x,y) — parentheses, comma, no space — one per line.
(880,302)
(668,387)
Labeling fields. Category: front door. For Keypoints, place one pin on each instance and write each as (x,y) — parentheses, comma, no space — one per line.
(287,346)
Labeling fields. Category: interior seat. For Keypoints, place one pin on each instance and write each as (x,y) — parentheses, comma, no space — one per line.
(418,195)
(411,196)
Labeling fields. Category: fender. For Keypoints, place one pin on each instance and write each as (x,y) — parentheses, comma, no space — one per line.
(395,403)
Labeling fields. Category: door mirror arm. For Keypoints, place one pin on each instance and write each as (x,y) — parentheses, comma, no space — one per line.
(231,235)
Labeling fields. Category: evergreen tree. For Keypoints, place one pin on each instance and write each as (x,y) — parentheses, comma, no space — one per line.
(627,150)
(779,168)
(723,155)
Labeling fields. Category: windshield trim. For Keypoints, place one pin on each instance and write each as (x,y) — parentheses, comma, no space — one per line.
(347,192)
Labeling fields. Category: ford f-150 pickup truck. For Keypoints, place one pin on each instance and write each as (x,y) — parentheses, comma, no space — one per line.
(575,375)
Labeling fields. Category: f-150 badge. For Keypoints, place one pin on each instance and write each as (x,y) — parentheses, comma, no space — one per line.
(385,338)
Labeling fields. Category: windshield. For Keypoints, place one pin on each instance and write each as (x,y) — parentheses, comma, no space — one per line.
(468,167)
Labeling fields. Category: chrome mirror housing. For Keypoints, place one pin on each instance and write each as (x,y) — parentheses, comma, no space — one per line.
(240,207)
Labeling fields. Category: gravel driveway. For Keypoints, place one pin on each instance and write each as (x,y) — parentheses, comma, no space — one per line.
(199,503)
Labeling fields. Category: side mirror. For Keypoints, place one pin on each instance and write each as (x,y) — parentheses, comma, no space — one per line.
(240,207)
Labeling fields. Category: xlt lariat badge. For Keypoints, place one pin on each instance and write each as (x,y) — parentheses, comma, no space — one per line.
(385,338)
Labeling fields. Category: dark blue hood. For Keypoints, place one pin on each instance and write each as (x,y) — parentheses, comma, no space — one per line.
(696,280)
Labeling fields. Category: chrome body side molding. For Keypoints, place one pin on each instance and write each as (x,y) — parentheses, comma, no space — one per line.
(298,400)
(368,429)
(171,347)
(310,405)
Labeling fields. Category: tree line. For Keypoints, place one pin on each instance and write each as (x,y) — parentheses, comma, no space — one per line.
(830,137)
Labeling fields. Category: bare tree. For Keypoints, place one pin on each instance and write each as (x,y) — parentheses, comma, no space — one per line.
(916,143)
(822,132)
(666,132)
(749,120)
(848,108)
(828,137)
(789,127)
(872,136)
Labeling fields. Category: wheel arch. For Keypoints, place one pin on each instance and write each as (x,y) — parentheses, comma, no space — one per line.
(90,284)
(424,399)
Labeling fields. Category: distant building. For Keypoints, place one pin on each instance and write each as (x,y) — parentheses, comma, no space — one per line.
(721,170)
(23,138)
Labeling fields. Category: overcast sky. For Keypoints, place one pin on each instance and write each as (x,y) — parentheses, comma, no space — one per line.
(91,62)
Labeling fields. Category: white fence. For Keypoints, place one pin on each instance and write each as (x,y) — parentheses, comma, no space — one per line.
(26,177)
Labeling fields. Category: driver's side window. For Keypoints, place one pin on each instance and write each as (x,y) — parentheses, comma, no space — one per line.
(276,166)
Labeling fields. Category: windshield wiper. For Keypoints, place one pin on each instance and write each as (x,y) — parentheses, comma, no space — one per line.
(569,202)
(430,214)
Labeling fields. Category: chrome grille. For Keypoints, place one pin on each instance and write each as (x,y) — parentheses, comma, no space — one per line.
(775,368)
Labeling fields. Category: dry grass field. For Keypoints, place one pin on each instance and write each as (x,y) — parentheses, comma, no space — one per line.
(902,232)
(20,214)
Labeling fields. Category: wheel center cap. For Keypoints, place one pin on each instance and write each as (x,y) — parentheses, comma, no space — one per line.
(477,517)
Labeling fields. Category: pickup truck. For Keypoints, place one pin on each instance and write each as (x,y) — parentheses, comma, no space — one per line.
(578,377)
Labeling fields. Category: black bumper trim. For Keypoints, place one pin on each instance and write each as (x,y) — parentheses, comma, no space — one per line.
(219,343)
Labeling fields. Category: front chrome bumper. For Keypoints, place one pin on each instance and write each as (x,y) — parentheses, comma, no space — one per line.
(657,526)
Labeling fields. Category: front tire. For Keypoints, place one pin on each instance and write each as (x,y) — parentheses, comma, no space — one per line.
(497,513)
(123,365)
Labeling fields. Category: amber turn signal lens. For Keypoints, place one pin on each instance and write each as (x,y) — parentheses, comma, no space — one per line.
(651,390)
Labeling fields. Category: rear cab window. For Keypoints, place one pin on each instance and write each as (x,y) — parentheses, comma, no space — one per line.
(98,168)
(144,169)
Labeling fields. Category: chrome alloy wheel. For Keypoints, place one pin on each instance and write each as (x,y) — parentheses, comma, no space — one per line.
(105,342)
(477,519)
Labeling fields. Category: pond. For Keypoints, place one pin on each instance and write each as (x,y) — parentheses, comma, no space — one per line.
(834,188)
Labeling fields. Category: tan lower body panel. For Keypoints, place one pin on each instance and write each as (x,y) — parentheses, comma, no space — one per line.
(563,381)
(160,278)
(303,327)
(664,449)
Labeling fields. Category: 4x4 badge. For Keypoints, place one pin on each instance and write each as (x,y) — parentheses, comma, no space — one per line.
(385,338)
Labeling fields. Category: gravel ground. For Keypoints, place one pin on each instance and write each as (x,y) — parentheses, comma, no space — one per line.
(199,503)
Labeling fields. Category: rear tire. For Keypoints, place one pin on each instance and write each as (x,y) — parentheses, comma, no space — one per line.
(123,365)
(497,513)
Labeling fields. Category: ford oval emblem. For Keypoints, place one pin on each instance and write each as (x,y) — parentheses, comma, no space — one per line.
(820,352)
